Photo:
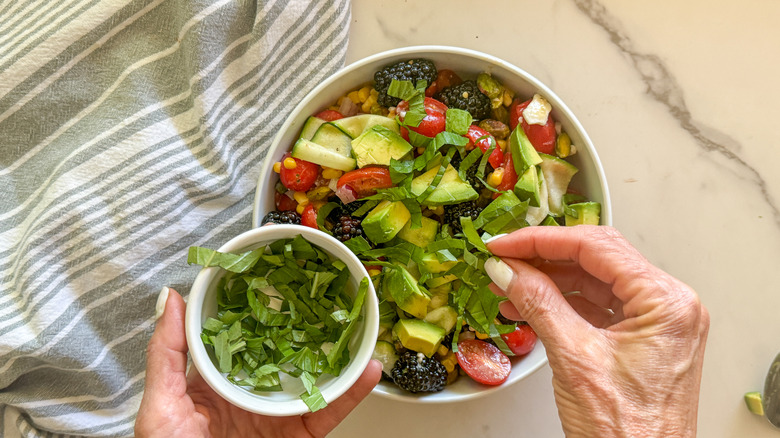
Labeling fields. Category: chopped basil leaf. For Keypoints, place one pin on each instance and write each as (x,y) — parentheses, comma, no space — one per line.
(458,121)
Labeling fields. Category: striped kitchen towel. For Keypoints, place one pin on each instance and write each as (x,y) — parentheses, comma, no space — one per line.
(129,130)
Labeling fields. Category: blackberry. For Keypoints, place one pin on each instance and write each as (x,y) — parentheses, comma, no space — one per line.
(472,177)
(344,210)
(466,96)
(282,217)
(413,70)
(347,227)
(416,373)
(453,213)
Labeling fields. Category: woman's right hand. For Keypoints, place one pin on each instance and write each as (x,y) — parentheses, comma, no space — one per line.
(626,351)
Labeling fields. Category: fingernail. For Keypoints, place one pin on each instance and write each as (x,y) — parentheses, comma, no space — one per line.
(499,272)
(496,237)
(159,308)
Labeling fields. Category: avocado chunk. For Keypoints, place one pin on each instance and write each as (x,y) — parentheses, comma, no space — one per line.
(528,187)
(355,125)
(557,174)
(378,145)
(407,294)
(549,221)
(385,221)
(588,213)
(431,264)
(450,190)
(418,335)
(421,236)
(754,403)
(445,317)
(523,153)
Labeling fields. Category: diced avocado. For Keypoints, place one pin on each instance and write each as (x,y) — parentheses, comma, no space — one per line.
(588,213)
(332,138)
(754,403)
(318,154)
(430,263)
(385,353)
(445,317)
(558,174)
(378,145)
(418,335)
(523,153)
(385,221)
(311,126)
(440,295)
(528,186)
(422,236)
(438,281)
(549,221)
(407,294)
(450,190)
(355,125)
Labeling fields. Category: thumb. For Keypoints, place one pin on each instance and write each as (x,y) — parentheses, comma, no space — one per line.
(536,298)
(166,361)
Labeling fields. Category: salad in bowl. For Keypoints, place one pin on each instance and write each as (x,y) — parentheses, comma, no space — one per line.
(414,158)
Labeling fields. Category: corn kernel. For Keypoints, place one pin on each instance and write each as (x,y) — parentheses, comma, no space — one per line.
(442,351)
(278,167)
(289,163)
(368,103)
(449,362)
(300,208)
(452,376)
(329,173)
(354,97)
(374,272)
(439,209)
(339,101)
(495,178)
(300,197)
(420,150)
(501,144)
(363,93)
(482,335)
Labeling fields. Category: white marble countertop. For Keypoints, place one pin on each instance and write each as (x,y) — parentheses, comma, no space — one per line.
(679,99)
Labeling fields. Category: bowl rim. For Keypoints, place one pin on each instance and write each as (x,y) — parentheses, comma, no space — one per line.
(242,398)
(559,106)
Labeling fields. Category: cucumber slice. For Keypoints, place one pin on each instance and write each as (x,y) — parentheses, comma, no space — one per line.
(385,352)
(318,154)
(332,138)
(558,174)
(311,126)
(355,125)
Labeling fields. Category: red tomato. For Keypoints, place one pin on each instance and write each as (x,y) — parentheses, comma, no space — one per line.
(365,182)
(445,78)
(483,361)
(542,137)
(474,135)
(434,121)
(285,203)
(510,176)
(302,177)
(329,115)
(522,340)
(309,217)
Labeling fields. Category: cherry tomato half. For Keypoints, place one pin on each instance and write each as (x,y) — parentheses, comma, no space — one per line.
(309,217)
(483,361)
(302,177)
(329,115)
(445,78)
(510,176)
(284,202)
(522,340)
(435,119)
(365,182)
(542,137)
(483,140)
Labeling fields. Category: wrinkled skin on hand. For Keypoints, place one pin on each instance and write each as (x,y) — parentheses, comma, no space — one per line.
(626,351)
(177,405)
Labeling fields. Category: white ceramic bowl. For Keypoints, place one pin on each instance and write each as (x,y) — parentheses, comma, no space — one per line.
(202,303)
(590,180)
